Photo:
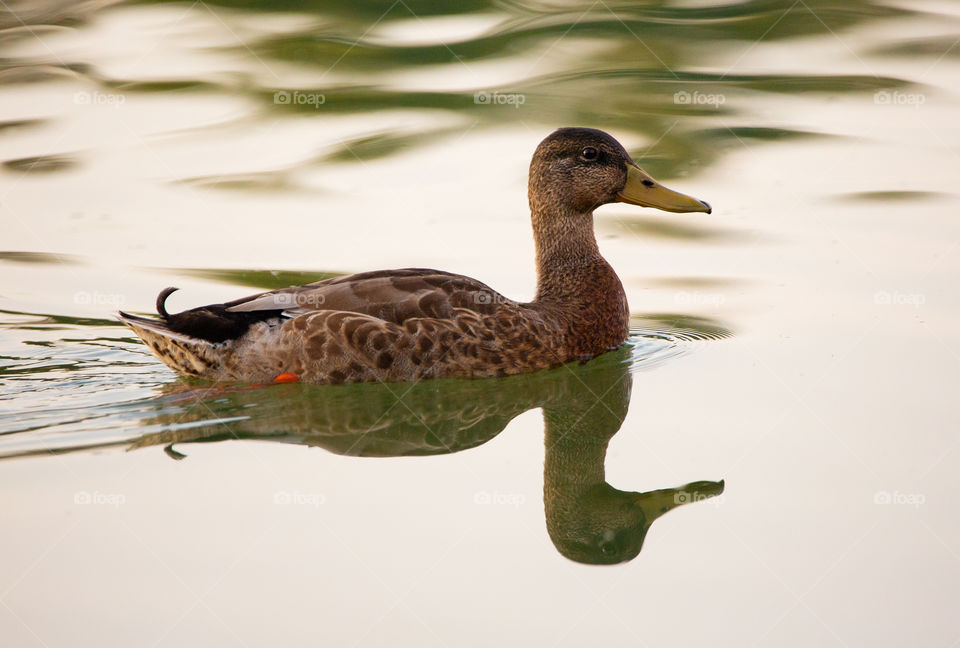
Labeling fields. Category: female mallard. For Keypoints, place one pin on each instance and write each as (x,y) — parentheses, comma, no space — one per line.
(411,324)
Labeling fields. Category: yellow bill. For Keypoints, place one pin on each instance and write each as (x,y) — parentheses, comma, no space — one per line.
(643,190)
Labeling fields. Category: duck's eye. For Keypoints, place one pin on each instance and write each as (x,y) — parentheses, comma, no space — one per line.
(589,154)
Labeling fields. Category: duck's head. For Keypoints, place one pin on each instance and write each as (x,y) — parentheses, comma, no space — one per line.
(601,525)
(580,169)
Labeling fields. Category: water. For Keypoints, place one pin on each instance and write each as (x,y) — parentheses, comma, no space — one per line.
(799,344)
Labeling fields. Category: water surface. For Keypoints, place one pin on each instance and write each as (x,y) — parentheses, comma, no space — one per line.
(788,389)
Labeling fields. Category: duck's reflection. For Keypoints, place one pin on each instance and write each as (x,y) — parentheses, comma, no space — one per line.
(588,520)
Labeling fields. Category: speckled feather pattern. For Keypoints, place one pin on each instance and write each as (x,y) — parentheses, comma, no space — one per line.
(438,325)
(412,324)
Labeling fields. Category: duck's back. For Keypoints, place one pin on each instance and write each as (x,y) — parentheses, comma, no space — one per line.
(388,325)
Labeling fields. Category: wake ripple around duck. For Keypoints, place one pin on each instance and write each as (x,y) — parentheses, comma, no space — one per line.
(658,337)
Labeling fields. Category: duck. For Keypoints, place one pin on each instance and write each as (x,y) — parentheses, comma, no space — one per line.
(415,324)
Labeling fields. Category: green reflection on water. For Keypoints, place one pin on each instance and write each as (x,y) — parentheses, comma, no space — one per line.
(584,406)
(265,279)
(51,322)
(890,196)
(587,519)
(667,229)
(371,147)
(41,164)
(618,66)
(19,256)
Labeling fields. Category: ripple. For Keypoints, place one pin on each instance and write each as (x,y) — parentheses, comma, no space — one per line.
(890,196)
(669,229)
(263,279)
(679,328)
(80,384)
(42,163)
(18,256)
(593,52)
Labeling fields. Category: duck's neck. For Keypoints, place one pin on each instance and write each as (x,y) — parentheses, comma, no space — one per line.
(567,251)
(574,461)
(576,287)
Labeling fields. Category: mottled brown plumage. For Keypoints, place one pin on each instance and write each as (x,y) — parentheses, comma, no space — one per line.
(411,324)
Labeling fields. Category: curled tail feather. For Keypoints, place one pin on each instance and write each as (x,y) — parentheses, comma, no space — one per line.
(193,342)
(162,301)
(181,352)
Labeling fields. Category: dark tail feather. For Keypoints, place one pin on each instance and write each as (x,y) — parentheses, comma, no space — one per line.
(162,300)
(213,323)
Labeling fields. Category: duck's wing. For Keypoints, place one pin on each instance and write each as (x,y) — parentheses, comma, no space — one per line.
(391,295)
(390,325)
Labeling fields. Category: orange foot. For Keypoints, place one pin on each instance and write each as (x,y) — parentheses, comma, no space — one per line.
(286,378)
